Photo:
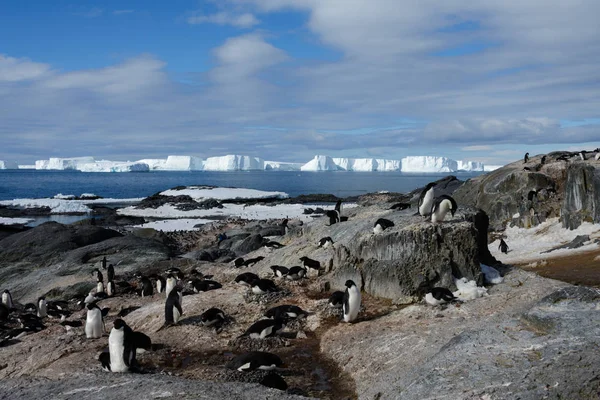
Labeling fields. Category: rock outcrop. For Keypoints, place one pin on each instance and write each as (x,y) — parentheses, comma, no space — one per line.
(526,194)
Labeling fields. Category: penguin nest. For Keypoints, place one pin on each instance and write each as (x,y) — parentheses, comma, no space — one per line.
(266,298)
(246,343)
(326,311)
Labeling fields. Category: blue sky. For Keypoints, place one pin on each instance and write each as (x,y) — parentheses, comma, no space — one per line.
(288,79)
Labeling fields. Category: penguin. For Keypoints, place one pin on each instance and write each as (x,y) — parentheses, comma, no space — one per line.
(173,309)
(147,288)
(441,206)
(204,285)
(335,215)
(296,273)
(597,157)
(310,263)
(28,308)
(264,328)
(120,347)
(161,283)
(110,289)
(400,206)
(336,299)
(104,262)
(176,272)
(42,308)
(253,261)
(91,298)
(238,262)
(7,299)
(351,301)
(382,224)
(262,286)
(170,284)
(31,323)
(4,311)
(246,278)
(279,271)
(212,317)
(286,228)
(274,381)
(110,272)
(525,158)
(68,325)
(285,312)
(94,323)
(543,160)
(325,242)
(270,244)
(582,155)
(439,295)
(141,342)
(254,360)
(426,199)
(503,247)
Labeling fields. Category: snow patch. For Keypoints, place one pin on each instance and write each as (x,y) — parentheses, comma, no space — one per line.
(468,290)
(200,193)
(14,221)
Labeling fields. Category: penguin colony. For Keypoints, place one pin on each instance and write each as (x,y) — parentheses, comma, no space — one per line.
(124,342)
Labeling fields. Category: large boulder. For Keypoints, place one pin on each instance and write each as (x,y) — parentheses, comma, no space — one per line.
(251,243)
(581,195)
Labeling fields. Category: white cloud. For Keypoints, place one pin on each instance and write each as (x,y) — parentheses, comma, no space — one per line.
(476,148)
(245,20)
(15,69)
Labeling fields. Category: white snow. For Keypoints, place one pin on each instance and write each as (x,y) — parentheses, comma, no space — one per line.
(200,193)
(62,206)
(527,245)
(65,196)
(8,165)
(234,163)
(468,290)
(170,225)
(491,274)
(320,163)
(14,221)
(488,168)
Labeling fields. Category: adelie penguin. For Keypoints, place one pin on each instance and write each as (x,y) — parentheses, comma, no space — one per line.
(526,158)
(325,242)
(381,225)
(352,299)
(173,310)
(147,288)
(7,299)
(264,328)
(426,199)
(296,273)
(335,215)
(110,289)
(170,284)
(286,312)
(441,206)
(503,247)
(336,300)
(42,307)
(121,350)
(439,295)
(204,285)
(246,278)
(262,286)
(212,317)
(254,360)
(279,271)
(94,322)
(161,283)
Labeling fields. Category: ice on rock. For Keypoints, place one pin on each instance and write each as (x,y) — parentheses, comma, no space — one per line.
(320,163)
(8,165)
(489,168)
(234,163)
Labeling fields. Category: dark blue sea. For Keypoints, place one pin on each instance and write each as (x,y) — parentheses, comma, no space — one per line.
(39,184)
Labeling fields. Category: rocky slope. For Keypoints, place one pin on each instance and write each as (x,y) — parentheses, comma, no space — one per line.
(526,194)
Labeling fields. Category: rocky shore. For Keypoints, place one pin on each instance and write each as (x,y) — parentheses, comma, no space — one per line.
(528,337)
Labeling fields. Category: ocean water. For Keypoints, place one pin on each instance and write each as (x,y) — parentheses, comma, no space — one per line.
(16,184)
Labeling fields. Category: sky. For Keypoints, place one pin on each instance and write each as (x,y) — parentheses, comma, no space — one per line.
(288,79)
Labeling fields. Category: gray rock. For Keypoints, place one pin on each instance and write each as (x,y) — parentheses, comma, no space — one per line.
(582,195)
(247,245)
(579,241)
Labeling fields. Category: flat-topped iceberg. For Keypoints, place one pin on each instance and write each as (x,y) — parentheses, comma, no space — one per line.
(234,162)
(111,166)
(8,165)
(183,163)
(320,163)
(367,164)
(282,166)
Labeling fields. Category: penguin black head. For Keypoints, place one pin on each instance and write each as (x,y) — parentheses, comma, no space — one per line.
(119,323)
(92,305)
(350,283)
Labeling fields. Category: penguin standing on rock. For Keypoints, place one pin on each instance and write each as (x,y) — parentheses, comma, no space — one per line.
(120,347)
(441,206)
(94,323)
(147,288)
(526,158)
(7,299)
(170,284)
(42,308)
(110,289)
(161,283)
(426,199)
(503,247)
(173,309)
(351,301)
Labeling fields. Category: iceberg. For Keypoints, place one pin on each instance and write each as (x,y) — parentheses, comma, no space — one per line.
(154,164)
(183,163)
(234,163)
(27,166)
(282,166)
(469,166)
(66,163)
(367,164)
(8,165)
(113,166)
(320,163)
(428,164)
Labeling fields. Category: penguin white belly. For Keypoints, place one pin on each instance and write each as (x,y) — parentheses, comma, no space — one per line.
(93,324)
(100,287)
(7,300)
(440,213)
(110,290)
(170,286)
(353,304)
(257,290)
(267,367)
(176,315)
(429,299)
(425,208)
(159,286)
(116,348)
(89,298)
(377,229)
(42,310)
